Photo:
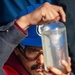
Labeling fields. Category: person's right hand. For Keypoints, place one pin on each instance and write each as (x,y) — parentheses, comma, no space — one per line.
(44,13)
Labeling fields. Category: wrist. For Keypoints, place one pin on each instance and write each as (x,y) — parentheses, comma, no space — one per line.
(22,30)
(23,22)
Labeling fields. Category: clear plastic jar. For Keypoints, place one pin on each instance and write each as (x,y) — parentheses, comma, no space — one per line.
(54,41)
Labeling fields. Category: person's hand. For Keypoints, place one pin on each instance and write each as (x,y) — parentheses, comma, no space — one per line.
(47,12)
(44,13)
(59,72)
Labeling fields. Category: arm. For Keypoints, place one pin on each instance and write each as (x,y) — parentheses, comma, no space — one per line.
(10,38)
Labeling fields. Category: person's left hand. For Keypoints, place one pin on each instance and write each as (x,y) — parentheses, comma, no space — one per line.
(56,71)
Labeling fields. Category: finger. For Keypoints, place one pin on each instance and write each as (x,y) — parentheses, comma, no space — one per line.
(40,73)
(69,59)
(56,15)
(60,11)
(52,14)
(67,66)
(47,14)
(48,17)
(54,70)
(62,14)
(57,18)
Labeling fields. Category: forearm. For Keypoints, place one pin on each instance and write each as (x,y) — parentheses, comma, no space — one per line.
(10,37)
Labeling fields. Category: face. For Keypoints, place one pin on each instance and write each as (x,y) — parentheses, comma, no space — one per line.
(35,65)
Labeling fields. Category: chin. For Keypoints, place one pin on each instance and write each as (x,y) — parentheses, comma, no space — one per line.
(36,73)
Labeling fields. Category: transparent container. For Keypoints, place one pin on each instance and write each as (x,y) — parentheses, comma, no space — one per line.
(54,41)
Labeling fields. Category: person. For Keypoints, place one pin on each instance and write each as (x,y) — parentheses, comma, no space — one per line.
(27,58)
(10,10)
(12,33)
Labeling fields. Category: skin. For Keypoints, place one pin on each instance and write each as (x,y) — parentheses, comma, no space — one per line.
(41,15)
(28,64)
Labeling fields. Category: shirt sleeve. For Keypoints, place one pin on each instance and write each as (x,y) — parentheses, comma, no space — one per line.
(23,31)
(10,37)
